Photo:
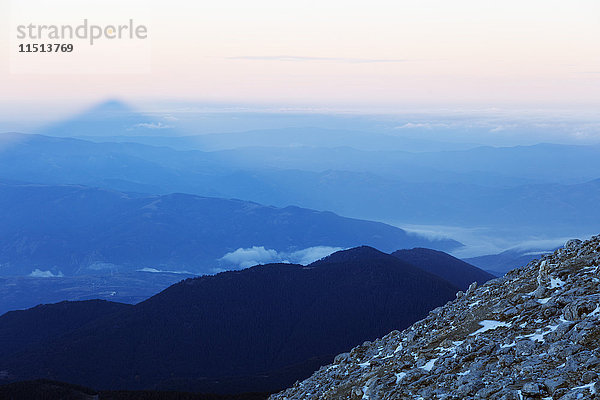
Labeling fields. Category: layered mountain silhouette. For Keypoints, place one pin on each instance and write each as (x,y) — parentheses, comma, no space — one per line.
(258,329)
(80,230)
(501,263)
(455,271)
(436,188)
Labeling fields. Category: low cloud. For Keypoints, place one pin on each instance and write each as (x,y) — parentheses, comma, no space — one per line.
(158,271)
(152,125)
(422,125)
(38,273)
(255,255)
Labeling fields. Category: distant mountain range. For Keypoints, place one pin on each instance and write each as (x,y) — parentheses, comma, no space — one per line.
(116,121)
(258,329)
(499,264)
(490,187)
(76,230)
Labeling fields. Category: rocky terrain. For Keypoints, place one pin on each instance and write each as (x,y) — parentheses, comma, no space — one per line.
(532,334)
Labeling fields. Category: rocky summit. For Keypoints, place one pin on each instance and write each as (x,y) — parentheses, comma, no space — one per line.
(532,334)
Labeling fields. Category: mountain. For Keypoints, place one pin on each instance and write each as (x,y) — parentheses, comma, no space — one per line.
(111,118)
(52,390)
(501,263)
(81,230)
(52,320)
(455,271)
(257,329)
(532,334)
(398,187)
(22,292)
(290,137)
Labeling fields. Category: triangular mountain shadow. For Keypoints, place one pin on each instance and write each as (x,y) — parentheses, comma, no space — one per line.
(111,118)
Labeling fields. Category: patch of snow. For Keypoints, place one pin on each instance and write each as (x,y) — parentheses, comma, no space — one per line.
(365,390)
(544,301)
(365,364)
(399,376)
(556,283)
(488,325)
(467,372)
(589,386)
(539,336)
(429,365)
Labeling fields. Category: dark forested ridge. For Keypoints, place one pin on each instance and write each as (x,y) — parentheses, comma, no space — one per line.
(45,389)
(258,329)
(23,329)
(455,271)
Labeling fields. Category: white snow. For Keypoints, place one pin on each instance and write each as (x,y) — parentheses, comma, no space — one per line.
(556,283)
(365,390)
(467,372)
(539,336)
(365,364)
(589,386)
(399,376)
(429,366)
(544,301)
(489,325)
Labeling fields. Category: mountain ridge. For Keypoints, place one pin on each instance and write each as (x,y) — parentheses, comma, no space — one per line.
(532,334)
(293,318)
(74,229)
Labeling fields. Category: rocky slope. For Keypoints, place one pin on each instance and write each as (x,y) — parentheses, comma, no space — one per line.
(532,334)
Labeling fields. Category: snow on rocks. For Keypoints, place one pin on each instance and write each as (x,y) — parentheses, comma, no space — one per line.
(532,334)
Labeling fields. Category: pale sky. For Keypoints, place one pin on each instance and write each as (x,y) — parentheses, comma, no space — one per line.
(326,53)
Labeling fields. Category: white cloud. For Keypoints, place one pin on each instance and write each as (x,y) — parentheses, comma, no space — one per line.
(312,254)
(251,256)
(158,271)
(152,125)
(37,273)
(423,125)
(255,255)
